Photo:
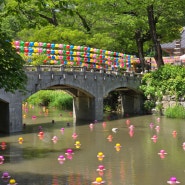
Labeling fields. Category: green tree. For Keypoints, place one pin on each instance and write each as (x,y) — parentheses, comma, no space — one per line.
(148,22)
(12,75)
(130,27)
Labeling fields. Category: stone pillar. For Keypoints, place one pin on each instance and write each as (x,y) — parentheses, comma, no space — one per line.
(83,108)
(128,104)
(138,104)
(132,104)
(15,112)
(87,108)
(98,108)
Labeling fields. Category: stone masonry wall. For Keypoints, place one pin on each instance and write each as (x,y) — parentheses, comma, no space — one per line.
(169,101)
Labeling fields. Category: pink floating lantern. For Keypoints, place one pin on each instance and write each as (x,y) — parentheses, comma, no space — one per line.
(174,133)
(61,159)
(157,128)
(69,153)
(131,133)
(151,125)
(131,127)
(34,118)
(62,130)
(173,180)
(74,135)
(127,122)
(158,120)
(5,176)
(101,170)
(3,145)
(1,159)
(41,135)
(154,138)
(162,154)
(54,139)
(183,146)
(91,126)
(104,125)
(109,138)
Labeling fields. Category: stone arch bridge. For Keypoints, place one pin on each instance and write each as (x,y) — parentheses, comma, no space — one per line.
(87,86)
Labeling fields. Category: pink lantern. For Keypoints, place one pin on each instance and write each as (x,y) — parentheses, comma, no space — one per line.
(60,52)
(17,43)
(60,45)
(61,159)
(34,117)
(1,159)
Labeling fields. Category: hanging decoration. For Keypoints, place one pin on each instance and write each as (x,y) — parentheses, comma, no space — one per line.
(75,55)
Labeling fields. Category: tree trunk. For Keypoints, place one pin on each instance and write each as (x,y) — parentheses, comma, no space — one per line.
(157,47)
(139,42)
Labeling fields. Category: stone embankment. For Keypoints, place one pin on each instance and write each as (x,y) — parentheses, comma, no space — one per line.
(169,101)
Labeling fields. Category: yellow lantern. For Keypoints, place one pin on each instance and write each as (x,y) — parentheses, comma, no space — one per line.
(36,44)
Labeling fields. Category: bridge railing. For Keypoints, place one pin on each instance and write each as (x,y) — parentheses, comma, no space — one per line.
(65,68)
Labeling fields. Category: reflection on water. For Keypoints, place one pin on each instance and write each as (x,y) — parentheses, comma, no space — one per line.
(42,159)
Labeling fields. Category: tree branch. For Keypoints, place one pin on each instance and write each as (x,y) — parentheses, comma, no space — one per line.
(52,20)
(84,22)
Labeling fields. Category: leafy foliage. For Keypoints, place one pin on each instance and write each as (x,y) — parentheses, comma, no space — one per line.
(168,80)
(57,99)
(34,60)
(12,75)
(111,101)
(110,25)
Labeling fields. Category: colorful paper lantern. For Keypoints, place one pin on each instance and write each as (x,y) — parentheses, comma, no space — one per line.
(52,45)
(44,45)
(48,45)
(36,44)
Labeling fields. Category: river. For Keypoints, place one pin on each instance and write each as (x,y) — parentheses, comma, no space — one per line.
(131,157)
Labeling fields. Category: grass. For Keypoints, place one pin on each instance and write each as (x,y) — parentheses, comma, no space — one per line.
(177,111)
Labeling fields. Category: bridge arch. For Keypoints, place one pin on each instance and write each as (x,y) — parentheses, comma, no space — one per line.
(131,98)
(83,101)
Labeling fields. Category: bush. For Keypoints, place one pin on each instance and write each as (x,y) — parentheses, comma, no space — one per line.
(177,111)
(149,105)
(58,99)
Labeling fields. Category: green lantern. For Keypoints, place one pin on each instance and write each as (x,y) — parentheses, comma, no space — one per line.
(22,43)
(44,45)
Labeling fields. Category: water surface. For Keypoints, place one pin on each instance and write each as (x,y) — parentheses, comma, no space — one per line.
(35,161)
